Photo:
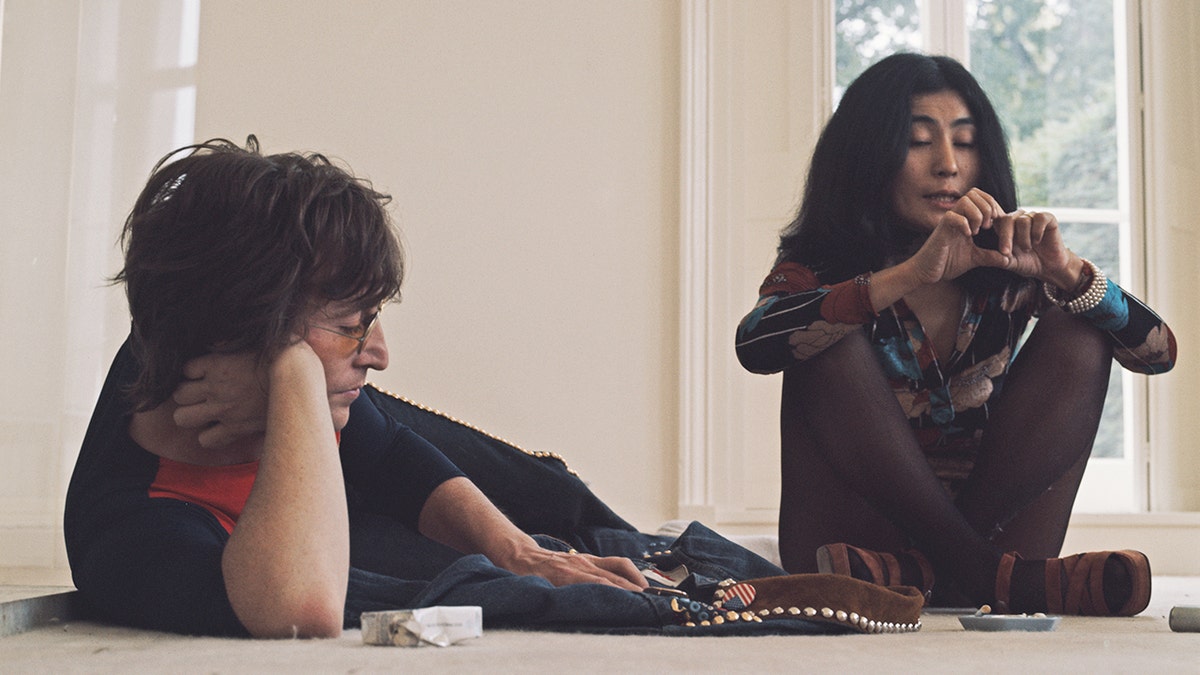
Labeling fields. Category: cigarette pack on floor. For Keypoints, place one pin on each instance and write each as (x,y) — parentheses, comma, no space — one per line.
(440,626)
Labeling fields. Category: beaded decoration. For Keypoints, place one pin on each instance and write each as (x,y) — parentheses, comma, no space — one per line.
(1089,299)
(472,427)
(850,619)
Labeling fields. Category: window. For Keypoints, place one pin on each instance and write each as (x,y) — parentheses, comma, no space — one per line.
(1056,72)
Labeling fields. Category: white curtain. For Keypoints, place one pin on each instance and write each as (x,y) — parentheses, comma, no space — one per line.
(103,88)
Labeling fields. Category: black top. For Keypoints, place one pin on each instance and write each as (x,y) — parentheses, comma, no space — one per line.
(156,562)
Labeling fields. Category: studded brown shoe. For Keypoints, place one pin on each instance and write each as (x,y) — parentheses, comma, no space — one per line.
(841,600)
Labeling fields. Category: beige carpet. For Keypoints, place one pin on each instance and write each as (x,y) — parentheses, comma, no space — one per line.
(1142,644)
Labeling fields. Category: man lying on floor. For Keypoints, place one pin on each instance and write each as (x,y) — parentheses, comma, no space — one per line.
(237,478)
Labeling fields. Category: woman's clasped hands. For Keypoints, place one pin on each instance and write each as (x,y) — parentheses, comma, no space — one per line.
(1029,243)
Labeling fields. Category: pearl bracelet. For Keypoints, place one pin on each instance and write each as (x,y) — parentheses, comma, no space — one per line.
(1086,301)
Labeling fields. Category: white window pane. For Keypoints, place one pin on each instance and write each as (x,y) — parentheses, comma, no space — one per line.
(1050,69)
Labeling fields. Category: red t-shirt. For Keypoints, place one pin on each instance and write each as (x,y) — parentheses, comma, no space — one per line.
(222,490)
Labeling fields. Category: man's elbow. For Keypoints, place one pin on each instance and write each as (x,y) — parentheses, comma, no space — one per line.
(313,618)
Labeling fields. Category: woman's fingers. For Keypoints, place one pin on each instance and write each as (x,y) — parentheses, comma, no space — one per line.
(1041,224)
(974,209)
(979,208)
(1024,230)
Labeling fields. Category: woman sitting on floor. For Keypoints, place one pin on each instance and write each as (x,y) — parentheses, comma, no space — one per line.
(917,441)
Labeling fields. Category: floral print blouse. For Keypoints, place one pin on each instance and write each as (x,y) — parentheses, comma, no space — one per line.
(797,317)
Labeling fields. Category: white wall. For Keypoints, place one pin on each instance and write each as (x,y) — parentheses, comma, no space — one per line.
(1171,48)
(532,150)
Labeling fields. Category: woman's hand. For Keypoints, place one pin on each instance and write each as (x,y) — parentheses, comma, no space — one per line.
(224,396)
(1034,246)
(950,250)
(1029,244)
(946,254)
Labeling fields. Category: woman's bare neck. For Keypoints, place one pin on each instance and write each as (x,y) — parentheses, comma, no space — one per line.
(939,308)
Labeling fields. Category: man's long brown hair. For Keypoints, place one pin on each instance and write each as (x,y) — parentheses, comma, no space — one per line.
(228,249)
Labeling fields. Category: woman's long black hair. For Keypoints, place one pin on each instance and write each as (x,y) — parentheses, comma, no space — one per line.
(846,225)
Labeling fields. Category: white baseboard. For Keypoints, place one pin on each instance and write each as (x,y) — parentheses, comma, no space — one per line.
(1170,540)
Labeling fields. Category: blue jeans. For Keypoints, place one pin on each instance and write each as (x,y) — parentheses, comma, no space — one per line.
(396,568)
(513,601)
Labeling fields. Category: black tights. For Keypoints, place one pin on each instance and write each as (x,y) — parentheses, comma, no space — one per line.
(853,471)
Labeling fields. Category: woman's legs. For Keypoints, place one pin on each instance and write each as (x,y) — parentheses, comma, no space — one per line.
(1038,530)
(1036,447)
(853,472)
(818,508)
(1039,436)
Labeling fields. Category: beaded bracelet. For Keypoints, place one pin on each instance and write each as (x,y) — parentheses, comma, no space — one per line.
(1086,301)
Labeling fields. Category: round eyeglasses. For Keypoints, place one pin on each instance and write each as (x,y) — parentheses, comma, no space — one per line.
(359,334)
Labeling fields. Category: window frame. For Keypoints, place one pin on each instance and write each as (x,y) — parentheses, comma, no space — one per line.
(726,470)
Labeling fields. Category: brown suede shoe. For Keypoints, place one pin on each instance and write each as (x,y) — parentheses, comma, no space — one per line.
(1075,584)
(885,569)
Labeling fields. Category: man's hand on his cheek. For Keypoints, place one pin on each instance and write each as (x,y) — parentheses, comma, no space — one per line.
(223,395)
